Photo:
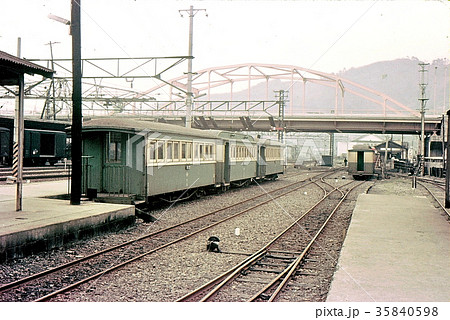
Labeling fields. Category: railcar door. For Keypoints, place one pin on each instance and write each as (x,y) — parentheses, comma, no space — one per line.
(261,165)
(226,166)
(360,161)
(47,144)
(92,168)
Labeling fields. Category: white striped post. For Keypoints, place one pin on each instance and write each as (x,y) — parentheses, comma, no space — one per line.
(19,132)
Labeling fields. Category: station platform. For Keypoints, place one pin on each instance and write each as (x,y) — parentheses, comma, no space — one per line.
(396,250)
(45,223)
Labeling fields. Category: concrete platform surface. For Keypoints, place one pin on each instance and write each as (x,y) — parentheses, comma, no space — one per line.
(396,250)
(47,223)
(34,189)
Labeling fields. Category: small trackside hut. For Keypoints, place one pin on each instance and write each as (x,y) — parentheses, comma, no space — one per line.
(361,162)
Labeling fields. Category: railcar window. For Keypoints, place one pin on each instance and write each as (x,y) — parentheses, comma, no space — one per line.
(114,147)
(189,150)
(196,154)
(202,152)
(273,153)
(169,149)
(208,152)
(152,151)
(183,150)
(176,151)
(160,150)
(211,152)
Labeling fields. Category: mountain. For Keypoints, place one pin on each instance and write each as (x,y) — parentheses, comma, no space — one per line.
(400,80)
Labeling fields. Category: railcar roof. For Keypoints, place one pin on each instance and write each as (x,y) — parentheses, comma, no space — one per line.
(361,147)
(270,142)
(136,126)
(229,135)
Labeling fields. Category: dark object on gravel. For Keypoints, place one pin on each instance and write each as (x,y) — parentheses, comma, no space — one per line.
(213,244)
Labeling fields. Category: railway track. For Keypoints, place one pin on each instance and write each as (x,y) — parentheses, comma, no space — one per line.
(264,275)
(437,191)
(50,283)
(33,173)
(435,188)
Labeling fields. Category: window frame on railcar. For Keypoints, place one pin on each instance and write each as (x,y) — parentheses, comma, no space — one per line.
(180,151)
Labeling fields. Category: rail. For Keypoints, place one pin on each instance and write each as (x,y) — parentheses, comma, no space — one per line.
(209,290)
(433,195)
(139,252)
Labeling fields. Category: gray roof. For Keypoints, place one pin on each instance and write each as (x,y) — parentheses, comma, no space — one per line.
(138,125)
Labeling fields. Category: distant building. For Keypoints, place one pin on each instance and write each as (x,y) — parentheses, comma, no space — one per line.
(371,140)
(394,150)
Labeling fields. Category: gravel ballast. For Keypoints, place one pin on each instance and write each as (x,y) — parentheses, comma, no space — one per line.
(174,271)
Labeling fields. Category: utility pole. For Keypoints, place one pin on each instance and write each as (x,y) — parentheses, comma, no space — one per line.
(50,43)
(423,101)
(281,95)
(191,12)
(384,168)
(75,195)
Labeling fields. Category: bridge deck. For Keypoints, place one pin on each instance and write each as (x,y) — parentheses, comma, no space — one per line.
(314,123)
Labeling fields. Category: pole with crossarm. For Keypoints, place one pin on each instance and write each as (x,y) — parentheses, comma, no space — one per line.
(191,12)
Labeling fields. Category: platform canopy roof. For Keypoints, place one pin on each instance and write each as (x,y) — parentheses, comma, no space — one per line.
(11,67)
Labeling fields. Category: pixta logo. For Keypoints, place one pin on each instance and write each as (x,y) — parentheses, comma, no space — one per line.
(309,151)
(136,148)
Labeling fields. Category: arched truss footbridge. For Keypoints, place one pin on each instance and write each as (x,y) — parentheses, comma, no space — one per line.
(250,87)
(248,96)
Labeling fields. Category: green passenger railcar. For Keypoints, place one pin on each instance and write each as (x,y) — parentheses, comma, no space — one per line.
(145,159)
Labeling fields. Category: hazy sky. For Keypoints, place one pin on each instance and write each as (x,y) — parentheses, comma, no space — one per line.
(323,35)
